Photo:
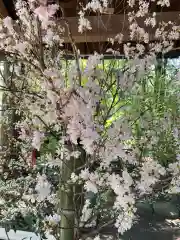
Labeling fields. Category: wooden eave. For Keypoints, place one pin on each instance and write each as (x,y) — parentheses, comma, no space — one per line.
(108,26)
(104,26)
(3,10)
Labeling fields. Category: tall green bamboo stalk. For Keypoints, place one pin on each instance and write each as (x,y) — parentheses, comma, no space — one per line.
(67,223)
(69,203)
(3,135)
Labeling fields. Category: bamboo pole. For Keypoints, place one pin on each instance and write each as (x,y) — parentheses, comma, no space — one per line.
(3,128)
(69,204)
(66,204)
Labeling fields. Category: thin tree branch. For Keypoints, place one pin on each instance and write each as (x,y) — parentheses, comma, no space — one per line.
(96,231)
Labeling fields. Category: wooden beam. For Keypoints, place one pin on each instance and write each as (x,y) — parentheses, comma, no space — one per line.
(68,4)
(3,10)
(108,26)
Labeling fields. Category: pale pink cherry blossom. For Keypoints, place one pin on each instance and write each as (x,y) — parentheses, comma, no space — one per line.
(83,23)
(150,21)
(43,188)
(52,9)
(97,237)
(42,13)
(174,186)
(151,172)
(86,212)
(21,47)
(74,130)
(84,174)
(125,199)
(55,218)
(94,177)
(90,187)
(163,3)
(72,108)
(94,5)
(48,38)
(124,221)
(50,117)
(45,12)
(8,24)
(127,178)
(88,137)
(143,8)
(92,62)
(74,177)
(23,134)
(119,37)
(37,138)
(131,3)
(58,80)
(52,96)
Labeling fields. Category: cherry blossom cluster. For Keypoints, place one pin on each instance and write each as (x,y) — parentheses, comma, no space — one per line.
(76,106)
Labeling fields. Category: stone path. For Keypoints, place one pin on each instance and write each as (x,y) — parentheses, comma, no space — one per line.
(152,229)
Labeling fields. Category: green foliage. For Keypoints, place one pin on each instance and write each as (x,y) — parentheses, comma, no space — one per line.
(155,109)
(49,145)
